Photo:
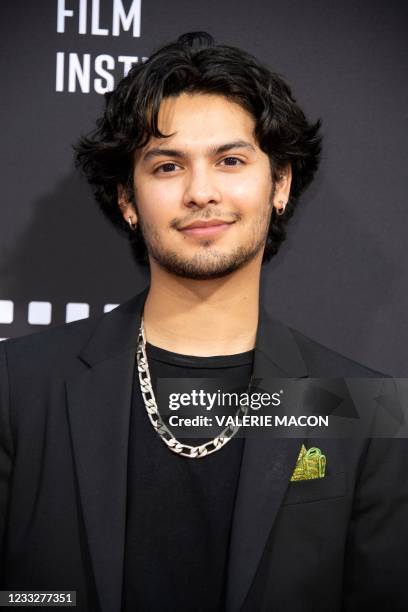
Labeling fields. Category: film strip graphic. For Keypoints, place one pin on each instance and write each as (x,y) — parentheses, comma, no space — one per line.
(40,314)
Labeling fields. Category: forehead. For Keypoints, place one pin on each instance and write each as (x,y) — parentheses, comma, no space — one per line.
(203,119)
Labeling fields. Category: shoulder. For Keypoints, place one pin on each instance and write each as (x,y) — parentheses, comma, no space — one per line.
(48,349)
(35,366)
(58,347)
(322,361)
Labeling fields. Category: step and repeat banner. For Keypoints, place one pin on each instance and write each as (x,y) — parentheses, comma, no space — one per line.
(340,277)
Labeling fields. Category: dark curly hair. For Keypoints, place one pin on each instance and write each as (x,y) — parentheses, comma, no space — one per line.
(195,64)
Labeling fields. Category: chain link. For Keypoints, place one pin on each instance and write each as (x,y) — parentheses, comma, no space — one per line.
(184,450)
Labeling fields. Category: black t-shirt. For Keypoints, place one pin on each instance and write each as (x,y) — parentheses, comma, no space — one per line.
(179,510)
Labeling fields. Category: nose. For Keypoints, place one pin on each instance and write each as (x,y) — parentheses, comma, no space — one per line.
(200,189)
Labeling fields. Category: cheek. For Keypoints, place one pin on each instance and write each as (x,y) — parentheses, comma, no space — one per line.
(155,201)
(247,193)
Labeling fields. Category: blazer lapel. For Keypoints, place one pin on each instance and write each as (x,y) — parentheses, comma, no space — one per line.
(99,403)
(267,465)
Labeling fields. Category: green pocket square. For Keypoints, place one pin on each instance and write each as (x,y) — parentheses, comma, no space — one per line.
(310,464)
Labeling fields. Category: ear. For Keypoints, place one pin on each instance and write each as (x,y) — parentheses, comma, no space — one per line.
(282,189)
(126,207)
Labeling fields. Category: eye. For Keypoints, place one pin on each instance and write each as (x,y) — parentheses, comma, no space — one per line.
(166,168)
(232,161)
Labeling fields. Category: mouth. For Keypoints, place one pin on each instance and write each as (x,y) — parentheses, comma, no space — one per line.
(206,228)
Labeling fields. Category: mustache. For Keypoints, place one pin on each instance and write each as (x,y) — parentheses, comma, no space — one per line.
(208,215)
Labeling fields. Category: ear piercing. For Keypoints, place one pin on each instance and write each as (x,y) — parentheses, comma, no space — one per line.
(281,209)
(132,227)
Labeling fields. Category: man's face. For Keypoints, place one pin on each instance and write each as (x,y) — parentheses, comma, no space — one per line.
(203,195)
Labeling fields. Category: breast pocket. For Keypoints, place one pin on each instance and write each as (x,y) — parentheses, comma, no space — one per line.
(303,491)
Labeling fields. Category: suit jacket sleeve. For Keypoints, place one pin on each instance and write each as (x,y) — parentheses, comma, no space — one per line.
(5,451)
(375,562)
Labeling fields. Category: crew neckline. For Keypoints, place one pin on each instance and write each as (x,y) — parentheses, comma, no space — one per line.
(194,361)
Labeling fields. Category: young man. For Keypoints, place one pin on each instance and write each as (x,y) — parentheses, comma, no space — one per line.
(201,156)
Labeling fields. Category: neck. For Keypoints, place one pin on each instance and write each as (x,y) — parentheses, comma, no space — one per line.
(203,318)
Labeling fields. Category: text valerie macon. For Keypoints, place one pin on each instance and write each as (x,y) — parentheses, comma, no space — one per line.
(250,420)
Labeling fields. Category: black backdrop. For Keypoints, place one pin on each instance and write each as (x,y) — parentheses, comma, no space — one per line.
(341,277)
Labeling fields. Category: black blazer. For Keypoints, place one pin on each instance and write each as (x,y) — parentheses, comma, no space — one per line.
(336,543)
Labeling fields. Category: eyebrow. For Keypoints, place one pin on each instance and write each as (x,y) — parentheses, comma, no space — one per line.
(217,150)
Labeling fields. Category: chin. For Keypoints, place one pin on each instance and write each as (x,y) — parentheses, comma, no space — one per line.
(203,266)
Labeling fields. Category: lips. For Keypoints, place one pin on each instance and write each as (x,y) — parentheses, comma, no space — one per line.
(203,224)
(206,228)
